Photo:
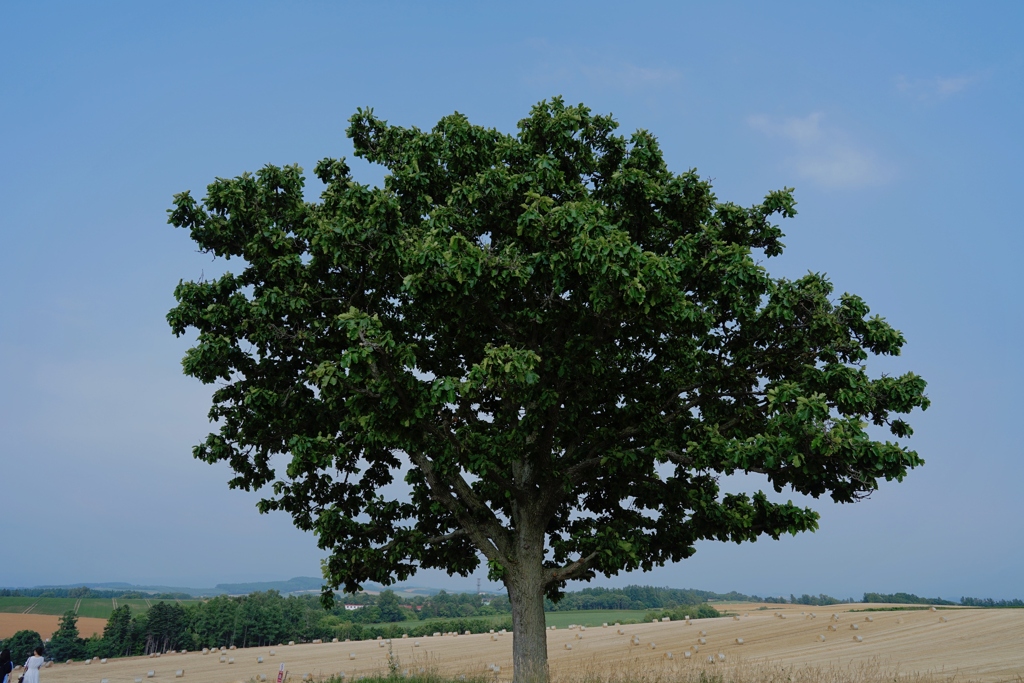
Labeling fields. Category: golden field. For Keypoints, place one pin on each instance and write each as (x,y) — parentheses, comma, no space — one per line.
(971,645)
(45,624)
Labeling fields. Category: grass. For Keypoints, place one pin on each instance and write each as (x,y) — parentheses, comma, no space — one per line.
(56,606)
(871,671)
(16,604)
(593,617)
(98,608)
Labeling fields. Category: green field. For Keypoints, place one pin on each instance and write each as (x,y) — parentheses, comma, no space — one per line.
(593,617)
(16,604)
(99,608)
(53,605)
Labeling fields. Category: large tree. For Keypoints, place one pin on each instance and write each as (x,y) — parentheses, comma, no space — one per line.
(561,343)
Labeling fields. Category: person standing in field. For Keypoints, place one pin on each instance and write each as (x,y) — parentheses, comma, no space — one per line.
(32,666)
(6,665)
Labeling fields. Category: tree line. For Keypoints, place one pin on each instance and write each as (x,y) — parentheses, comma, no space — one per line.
(265,618)
(86,592)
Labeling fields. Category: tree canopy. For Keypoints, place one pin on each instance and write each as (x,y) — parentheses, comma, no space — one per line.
(560,342)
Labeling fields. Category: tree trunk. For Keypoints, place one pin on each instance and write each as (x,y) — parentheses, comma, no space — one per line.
(525,584)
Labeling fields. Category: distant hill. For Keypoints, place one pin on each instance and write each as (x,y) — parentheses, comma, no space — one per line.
(298,584)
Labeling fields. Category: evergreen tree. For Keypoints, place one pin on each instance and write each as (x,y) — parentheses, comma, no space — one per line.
(65,642)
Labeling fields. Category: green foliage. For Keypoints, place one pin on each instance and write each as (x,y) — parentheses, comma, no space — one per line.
(65,643)
(22,644)
(905,598)
(120,634)
(814,600)
(989,602)
(388,606)
(165,627)
(568,342)
(701,611)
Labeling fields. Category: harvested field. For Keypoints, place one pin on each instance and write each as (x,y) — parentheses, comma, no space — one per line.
(44,624)
(974,644)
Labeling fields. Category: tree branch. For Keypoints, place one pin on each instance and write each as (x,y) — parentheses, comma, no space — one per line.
(573,570)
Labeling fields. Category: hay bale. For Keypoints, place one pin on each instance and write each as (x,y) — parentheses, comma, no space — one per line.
(665,619)
(620,632)
(668,655)
(943,619)
(88,661)
(735,617)
(831,627)
(292,642)
(652,646)
(334,640)
(568,646)
(223,659)
(821,638)
(686,655)
(858,639)
(467,633)
(351,655)
(604,625)
(702,641)
(406,635)
(271,653)
(103,661)
(435,634)
(415,643)
(721,656)
(854,627)
(703,633)
(150,674)
(579,636)
(180,673)
(206,650)
(932,609)
(739,641)
(259,660)
(869,618)
(231,660)
(381,643)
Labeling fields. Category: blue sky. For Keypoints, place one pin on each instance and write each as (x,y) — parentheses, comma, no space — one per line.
(899,127)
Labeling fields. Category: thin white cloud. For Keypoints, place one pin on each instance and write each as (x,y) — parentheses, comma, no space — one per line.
(823,154)
(629,76)
(558,65)
(937,88)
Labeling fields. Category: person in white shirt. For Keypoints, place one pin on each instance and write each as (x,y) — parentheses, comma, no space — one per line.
(33,665)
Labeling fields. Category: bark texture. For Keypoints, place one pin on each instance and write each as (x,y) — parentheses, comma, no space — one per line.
(525,583)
